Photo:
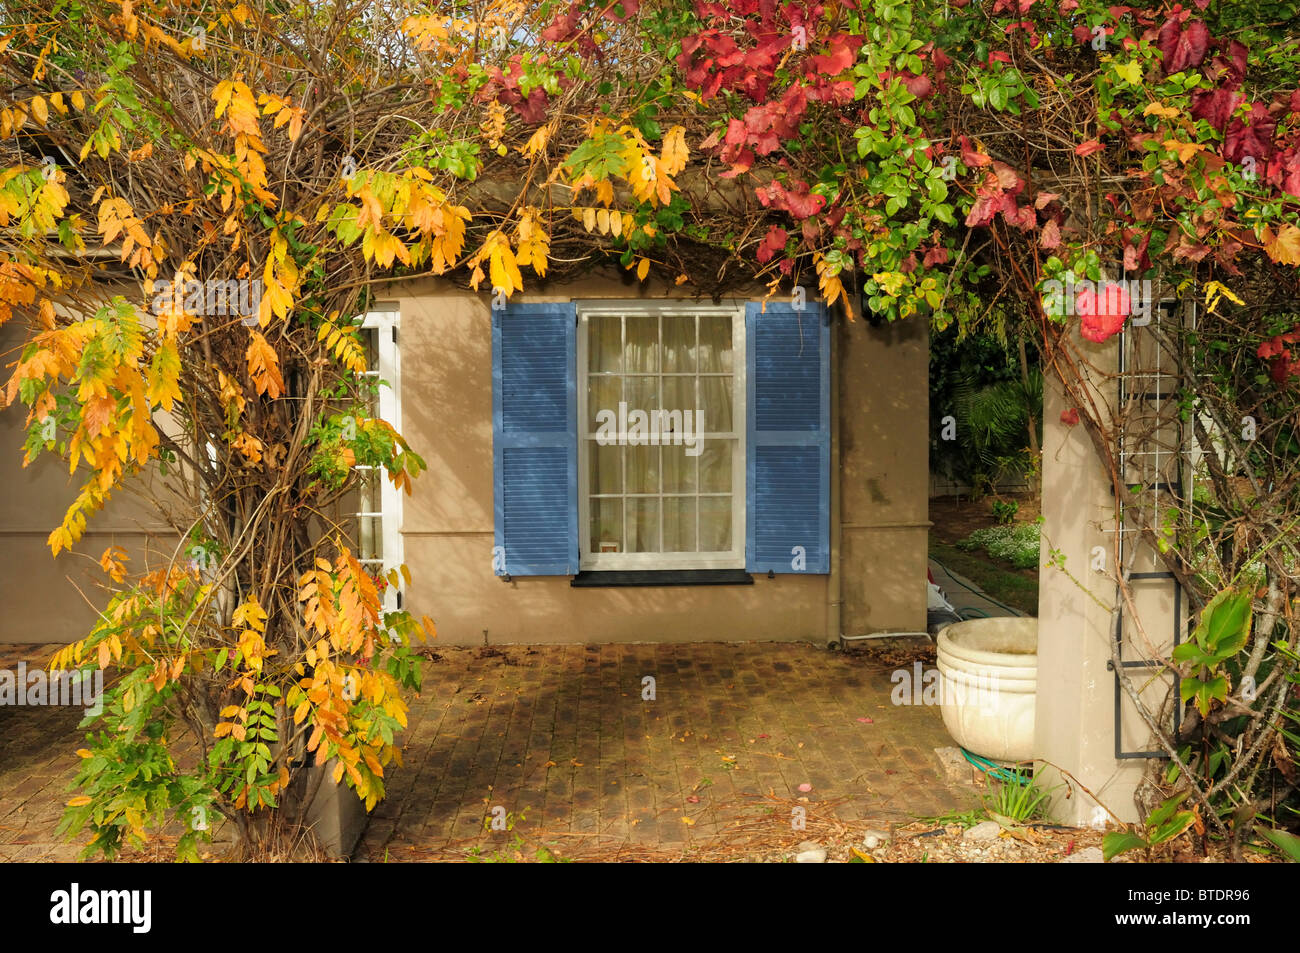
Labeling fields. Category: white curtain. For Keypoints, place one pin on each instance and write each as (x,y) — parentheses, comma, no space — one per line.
(671,363)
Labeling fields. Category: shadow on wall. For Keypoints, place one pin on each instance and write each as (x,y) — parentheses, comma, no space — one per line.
(884,473)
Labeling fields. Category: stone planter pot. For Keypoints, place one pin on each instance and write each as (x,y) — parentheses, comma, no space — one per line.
(989,680)
(336,816)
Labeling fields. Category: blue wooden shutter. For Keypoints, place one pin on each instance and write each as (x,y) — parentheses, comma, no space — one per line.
(535,439)
(788,480)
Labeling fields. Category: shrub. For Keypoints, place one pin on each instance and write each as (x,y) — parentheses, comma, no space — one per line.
(1005,513)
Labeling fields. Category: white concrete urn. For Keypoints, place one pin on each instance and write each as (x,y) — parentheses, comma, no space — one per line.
(988,682)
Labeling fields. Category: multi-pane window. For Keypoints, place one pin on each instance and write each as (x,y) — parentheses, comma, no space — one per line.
(377,516)
(661,411)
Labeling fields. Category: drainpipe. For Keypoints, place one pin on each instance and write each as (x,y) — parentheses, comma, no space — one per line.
(834,584)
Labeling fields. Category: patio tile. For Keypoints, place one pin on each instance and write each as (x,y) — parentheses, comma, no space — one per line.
(562,736)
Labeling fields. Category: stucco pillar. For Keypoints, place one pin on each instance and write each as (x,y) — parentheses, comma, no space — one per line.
(1075,706)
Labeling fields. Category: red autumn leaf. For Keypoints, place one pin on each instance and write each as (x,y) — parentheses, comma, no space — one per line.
(1088,148)
(773,243)
(1007,177)
(843,50)
(969,156)
(1070,417)
(1216,107)
(1103,311)
(1051,235)
(800,202)
(918,86)
(1182,49)
(938,255)
(1270,348)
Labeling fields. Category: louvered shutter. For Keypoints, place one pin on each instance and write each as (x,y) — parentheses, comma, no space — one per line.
(787,527)
(535,439)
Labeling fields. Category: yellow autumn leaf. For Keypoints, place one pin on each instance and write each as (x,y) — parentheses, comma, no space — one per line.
(1161,110)
(251,615)
(674,153)
(503,269)
(40,112)
(1284,247)
(1214,291)
(537,142)
(643,269)
(264,366)
(81,800)
(1185,150)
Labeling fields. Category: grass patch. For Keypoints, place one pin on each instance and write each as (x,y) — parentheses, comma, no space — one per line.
(1002,581)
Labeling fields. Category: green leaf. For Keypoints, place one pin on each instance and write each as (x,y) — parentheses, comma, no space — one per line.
(1225,623)
(1289,844)
(1117,843)
(1166,809)
(1204,692)
(1173,827)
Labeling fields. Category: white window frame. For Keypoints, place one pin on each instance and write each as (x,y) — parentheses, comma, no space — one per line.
(386,324)
(735,558)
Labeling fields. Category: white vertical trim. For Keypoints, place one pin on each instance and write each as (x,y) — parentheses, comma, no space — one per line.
(386,324)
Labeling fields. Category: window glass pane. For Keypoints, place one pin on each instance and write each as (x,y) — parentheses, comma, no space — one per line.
(679,524)
(715,524)
(679,394)
(642,470)
(368,496)
(642,394)
(715,467)
(642,525)
(370,341)
(642,351)
(603,393)
(715,399)
(370,542)
(606,465)
(679,343)
(679,471)
(715,344)
(607,526)
(605,343)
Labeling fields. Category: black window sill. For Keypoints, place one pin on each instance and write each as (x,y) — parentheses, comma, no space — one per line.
(661,577)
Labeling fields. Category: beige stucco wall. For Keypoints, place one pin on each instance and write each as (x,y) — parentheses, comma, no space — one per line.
(44,599)
(447,524)
(884,475)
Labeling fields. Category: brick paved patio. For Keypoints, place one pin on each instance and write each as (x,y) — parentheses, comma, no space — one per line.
(562,736)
